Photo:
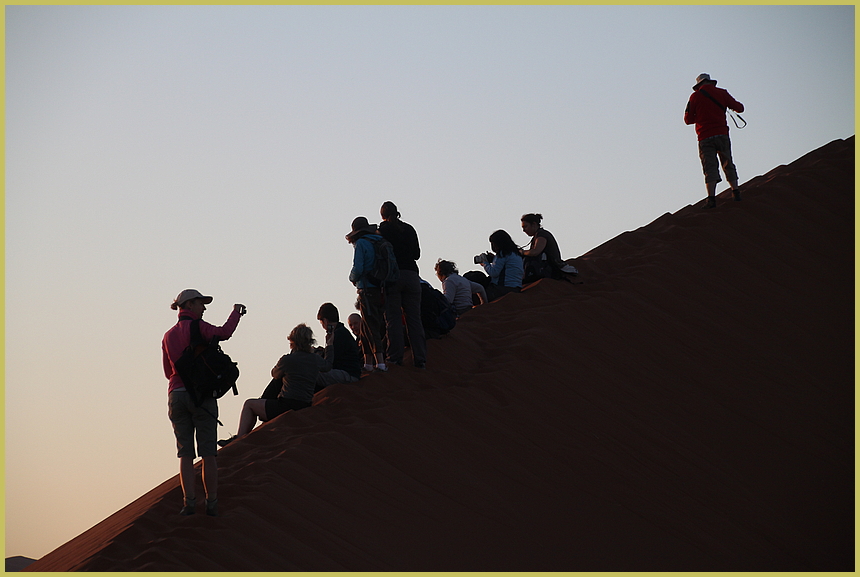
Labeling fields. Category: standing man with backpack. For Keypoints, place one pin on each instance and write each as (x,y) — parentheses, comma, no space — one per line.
(404,298)
(707,110)
(187,418)
(365,273)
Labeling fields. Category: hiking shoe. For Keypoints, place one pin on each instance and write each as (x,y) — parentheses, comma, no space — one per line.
(189,507)
(736,194)
(225,442)
(212,507)
(420,365)
(710,203)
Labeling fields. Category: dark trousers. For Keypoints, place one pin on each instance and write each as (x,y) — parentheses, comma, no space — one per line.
(404,298)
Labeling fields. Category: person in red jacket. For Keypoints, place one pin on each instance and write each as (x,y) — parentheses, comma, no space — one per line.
(707,110)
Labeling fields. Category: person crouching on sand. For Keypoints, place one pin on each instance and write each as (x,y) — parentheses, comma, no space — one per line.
(457,289)
(297,372)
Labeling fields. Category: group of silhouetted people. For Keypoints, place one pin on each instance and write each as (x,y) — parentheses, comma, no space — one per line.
(389,288)
(385,274)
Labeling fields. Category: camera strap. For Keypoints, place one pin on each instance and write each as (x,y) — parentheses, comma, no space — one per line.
(725,109)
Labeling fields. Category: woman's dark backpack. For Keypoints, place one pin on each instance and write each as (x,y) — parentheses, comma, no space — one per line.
(206,370)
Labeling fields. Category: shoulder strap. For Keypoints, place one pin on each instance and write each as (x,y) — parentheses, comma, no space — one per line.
(709,95)
(196,336)
(725,109)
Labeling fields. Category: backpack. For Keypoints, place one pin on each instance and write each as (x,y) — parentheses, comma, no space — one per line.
(437,314)
(385,270)
(206,370)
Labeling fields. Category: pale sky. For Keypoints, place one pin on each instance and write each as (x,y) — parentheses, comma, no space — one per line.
(151,149)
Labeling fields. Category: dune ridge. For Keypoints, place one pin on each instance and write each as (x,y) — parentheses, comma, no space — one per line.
(688,406)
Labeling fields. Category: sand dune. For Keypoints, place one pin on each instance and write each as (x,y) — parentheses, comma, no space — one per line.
(688,406)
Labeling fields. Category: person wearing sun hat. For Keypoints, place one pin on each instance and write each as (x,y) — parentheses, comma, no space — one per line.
(190,421)
(370,298)
(706,109)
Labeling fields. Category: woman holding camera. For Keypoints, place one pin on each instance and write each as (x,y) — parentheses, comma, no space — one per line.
(505,268)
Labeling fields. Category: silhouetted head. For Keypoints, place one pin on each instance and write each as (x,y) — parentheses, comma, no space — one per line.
(531,223)
(360,227)
(389,211)
(354,321)
(328,312)
(302,338)
(703,79)
(184,299)
(502,243)
(445,268)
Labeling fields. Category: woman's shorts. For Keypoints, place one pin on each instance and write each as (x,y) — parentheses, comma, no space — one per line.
(275,407)
(188,420)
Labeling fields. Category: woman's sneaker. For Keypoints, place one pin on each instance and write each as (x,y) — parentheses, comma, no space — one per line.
(225,442)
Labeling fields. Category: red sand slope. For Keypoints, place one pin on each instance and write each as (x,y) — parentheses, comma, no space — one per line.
(689,406)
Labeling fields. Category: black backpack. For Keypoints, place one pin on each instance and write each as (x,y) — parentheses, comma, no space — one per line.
(385,270)
(437,315)
(206,370)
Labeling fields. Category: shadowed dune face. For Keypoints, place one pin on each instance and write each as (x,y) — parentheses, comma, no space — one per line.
(688,406)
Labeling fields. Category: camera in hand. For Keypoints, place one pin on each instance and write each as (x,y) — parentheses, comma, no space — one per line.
(484,257)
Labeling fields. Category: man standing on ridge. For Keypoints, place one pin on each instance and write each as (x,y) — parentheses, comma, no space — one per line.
(707,110)
(187,419)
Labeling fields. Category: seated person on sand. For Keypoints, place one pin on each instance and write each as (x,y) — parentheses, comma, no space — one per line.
(505,267)
(297,375)
(457,289)
(543,257)
(356,325)
(341,350)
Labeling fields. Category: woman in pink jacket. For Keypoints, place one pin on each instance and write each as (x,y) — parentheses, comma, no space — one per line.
(189,420)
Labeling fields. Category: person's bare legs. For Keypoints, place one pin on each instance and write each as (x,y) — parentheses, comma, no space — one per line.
(712,189)
(210,477)
(251,410)
(186,477)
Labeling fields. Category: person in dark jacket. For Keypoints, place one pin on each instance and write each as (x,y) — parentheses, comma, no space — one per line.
(340,348)
(707,110)
(404,298)
(294,378)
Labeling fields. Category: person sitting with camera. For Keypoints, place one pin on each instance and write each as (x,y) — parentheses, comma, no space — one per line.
(505,267)
(457,289)
(340,349)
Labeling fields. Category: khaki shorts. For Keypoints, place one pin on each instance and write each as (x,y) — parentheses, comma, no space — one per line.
(188,419)
(711,148)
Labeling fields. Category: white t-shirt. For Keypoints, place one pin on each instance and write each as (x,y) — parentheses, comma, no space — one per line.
(459,290)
